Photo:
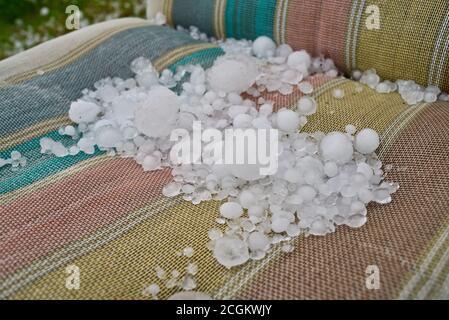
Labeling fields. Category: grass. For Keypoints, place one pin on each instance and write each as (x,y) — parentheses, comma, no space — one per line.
(26,23)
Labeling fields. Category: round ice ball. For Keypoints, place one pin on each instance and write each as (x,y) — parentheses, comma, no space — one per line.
(287,120)
(307,106)
(264,47)
(234,73)
(157,114)
(231,210)
(83,111)
(336,146)
(367,141)
(299,59)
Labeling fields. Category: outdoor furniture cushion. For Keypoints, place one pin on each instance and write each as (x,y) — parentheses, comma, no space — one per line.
(107,217)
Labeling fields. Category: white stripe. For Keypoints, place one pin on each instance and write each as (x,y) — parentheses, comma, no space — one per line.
(437,47)
(444,291)
(356,34)
(348,35)
(408,288)
(442,61)
(284,20)
(434,276)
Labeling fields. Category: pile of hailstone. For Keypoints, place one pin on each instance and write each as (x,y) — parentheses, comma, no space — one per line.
(15,160)
(322,181)
(411,92)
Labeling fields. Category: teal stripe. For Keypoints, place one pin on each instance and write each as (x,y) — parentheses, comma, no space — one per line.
(250,19)
(265,14)
(205,58)
(39,165)
(230,14)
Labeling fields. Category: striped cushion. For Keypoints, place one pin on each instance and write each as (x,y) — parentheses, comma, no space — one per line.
(412,42)
(109,218)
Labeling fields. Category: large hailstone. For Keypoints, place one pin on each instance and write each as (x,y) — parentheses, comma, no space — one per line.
(264,47)
(233,73)
(367,141)
(157,115)
(83,111)
(231,252)
(336,146)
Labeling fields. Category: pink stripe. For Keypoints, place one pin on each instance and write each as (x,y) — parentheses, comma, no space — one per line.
(68,210)
(319,27)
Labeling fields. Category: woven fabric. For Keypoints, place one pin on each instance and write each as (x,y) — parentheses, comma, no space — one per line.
(411,43)
(108,217)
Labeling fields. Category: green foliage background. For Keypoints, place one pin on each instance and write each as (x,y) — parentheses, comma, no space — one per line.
(23,26)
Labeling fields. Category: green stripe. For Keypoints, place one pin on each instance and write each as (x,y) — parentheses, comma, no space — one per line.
(39,165)
(250,19)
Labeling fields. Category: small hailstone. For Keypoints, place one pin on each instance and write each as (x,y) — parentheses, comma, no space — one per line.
(430,97)
(305,87)
(287,120)
(356,75)
(280,225)
(83,111)
(331,169)
(247,199)
(160,273)
(151,163)
(231,252)
(367,141)
(264,47)
(15,155)
(284,50)
(350,129)
(40,72)
(214,234)
(287,248)
(161,106)
(337,147)
(306,106)
(172,189)
(59,150)
(338,93)
(74,150)
(192,268)
(188,283)
(140,65)
(258,241)
(153,289)
(188,252)
(175,274)
(299,60)
(232,74)
(231,210)
(107,137)
(256,211)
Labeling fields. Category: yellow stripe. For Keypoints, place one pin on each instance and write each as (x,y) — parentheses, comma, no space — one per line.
(399,44)
(33,131)
(120,268)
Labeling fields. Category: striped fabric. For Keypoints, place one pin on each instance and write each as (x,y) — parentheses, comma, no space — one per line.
(107,217)
(412,42)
